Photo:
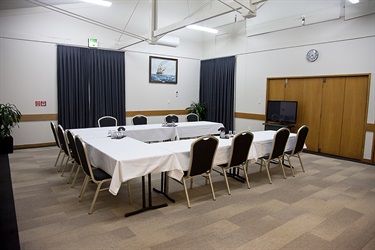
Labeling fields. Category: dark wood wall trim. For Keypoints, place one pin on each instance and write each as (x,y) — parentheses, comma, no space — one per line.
(250,116)
(37,145)
(370,127)
(38,117)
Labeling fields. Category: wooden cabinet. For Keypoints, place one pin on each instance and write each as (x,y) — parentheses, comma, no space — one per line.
(334,108)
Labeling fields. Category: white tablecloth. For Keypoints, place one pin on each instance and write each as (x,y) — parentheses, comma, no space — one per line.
(127,158)
(130,157)
(155,132)
(261,146)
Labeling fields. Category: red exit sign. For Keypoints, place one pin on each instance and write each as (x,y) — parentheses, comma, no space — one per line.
(40,103)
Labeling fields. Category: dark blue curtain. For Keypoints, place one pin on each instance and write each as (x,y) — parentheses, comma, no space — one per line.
(217,89)
(91,84)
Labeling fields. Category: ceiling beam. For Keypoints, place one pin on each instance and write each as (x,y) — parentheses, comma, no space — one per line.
(239,5)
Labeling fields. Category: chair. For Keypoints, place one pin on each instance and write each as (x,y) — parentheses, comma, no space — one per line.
(241,144)
(95,175)
(54,132)
(139,120)
(202,153)
(298,147)
(171,118)
(107,121)
(74,154)
(278,147)
(65,148)
(191,117)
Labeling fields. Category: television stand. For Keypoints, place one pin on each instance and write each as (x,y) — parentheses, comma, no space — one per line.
(276,126)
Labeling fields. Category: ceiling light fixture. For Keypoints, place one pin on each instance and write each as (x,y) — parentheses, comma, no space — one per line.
(201,28)
(354,1)
(99,2)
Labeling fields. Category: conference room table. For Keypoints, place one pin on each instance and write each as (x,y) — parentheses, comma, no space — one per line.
(130,157)
(155,132)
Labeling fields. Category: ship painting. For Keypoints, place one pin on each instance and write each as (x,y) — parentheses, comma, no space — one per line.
(163,70)
(160,69)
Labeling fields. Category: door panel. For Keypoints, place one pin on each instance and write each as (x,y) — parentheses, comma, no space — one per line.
(331,115)
(354,117)
(310,110)
(294,92)
(276,89)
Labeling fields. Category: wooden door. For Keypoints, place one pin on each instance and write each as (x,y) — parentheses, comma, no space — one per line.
(276,90)
(310,111)
(354,117)
(294,92)
(331,115)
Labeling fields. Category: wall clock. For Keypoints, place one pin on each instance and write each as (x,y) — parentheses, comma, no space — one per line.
(312,55)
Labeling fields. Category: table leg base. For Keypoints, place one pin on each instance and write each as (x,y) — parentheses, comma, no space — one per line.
(236,177)
(164,194)
(145,209)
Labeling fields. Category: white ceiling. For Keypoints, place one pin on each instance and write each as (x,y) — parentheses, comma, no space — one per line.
(129,21)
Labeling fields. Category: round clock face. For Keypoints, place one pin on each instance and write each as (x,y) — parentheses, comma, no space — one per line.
(312,55)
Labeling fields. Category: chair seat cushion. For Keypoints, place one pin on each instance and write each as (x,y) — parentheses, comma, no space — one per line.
(288,152)
(100,174)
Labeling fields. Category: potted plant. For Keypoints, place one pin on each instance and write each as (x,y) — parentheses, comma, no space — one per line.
(9,117)
(199,109)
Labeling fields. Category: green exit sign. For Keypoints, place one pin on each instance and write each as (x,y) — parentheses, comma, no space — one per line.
(93,42)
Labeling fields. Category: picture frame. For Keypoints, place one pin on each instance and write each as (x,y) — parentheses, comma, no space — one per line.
(163,70)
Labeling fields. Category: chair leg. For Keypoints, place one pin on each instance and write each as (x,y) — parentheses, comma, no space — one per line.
(75,176)
(282,165)
(268,171)
(129,193)
(66,164)
(246,177)
(212,187)
(290,164)
(226,179)
(95,197)
(71,172)
(186,193)
(58,156)
(61,163)
(300,161)
(84,186)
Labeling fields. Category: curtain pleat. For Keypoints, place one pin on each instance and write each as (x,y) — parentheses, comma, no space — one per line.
(91,84)
(216,89)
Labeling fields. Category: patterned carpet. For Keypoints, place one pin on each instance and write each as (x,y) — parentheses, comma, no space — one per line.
(330,206)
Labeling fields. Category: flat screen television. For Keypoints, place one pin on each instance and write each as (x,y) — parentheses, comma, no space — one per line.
(282,111)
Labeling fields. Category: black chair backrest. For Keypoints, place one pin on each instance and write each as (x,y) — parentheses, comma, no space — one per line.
(62,139)
(192,117)
(279,142)
(82,153)
(171,118)
(240,148)
(54,132)
(202,153)
(107,121)
(301,138)
(139,120)
(72,146)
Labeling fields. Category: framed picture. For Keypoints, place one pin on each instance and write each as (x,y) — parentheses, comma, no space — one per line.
(163,70)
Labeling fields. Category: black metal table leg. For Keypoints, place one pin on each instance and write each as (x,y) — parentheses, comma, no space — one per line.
(144,205)
(235,174)
(164,187)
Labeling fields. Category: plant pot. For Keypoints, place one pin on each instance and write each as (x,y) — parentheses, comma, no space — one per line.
(6,145)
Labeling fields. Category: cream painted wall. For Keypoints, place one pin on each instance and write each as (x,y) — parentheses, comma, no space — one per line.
(345,47)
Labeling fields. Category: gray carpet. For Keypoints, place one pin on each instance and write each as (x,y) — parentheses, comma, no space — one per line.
(331,206)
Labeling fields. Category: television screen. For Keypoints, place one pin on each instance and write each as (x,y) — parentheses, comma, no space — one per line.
(282,111)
